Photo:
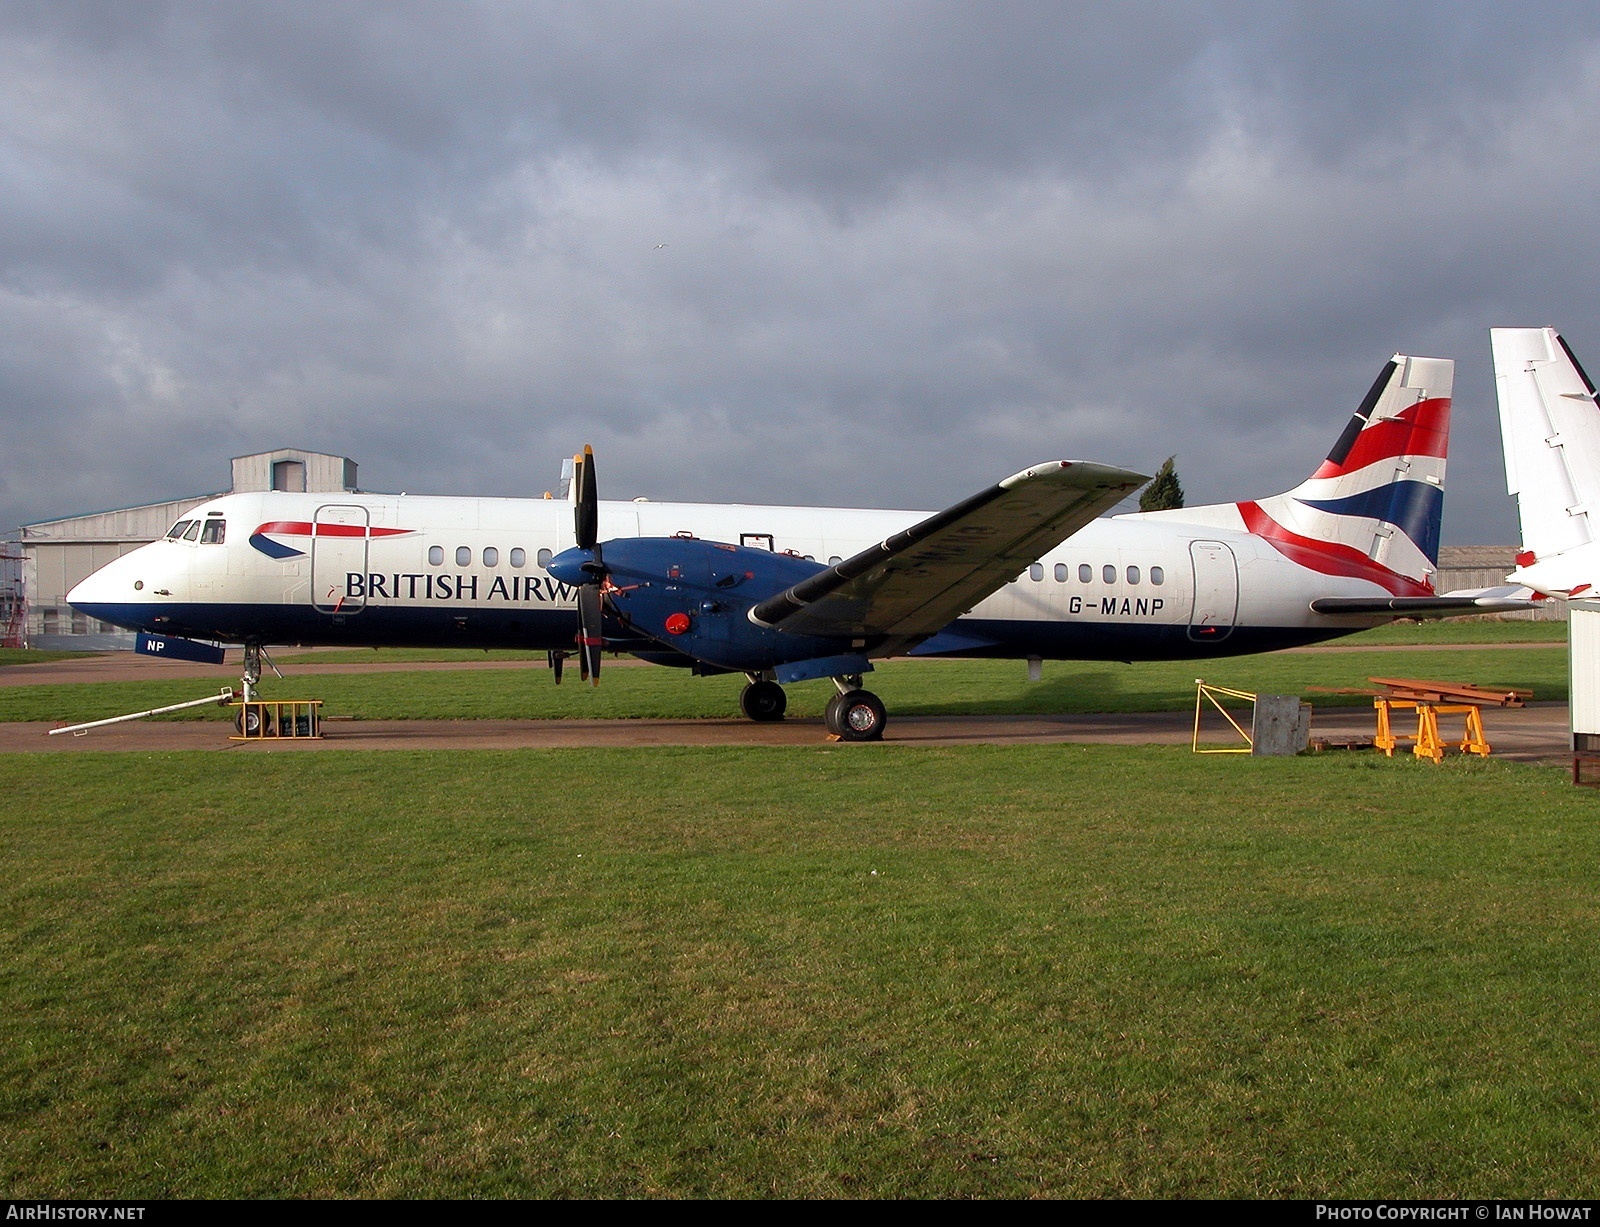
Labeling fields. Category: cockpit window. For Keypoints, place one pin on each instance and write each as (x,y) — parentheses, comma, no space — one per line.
(193,531)
(214,532)
(178,529)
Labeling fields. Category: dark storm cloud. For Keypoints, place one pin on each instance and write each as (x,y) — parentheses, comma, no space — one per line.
(847,253)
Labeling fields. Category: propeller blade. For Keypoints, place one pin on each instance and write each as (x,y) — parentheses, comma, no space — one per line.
(590,640)
(586,510)
(557,659)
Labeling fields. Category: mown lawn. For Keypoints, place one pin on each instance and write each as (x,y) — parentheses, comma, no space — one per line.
(825,971)
(909,687)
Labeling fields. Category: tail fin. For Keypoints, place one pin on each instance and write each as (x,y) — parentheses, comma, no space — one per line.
(1550,430)
(1372,508)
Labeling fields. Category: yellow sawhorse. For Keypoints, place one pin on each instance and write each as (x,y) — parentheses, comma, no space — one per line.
(1427,742)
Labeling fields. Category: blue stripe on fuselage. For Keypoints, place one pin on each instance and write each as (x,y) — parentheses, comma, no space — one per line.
(274,549)
(553,630)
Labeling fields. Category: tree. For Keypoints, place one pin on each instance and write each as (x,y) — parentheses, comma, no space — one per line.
(1164,491)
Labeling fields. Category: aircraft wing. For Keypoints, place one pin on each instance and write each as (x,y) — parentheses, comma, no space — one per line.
(922,579)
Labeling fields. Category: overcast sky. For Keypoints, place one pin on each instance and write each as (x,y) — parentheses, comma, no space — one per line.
(854,254)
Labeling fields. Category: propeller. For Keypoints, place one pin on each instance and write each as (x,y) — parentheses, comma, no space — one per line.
(591,596)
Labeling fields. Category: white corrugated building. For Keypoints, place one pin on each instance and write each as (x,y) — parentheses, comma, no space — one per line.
(1486,566)
(57,554)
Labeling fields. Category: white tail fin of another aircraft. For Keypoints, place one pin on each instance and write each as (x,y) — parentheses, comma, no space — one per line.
(1372,509)
(1550,429)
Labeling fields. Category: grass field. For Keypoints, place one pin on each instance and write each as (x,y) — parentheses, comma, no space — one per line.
(821,971)
(826,971)
(908,687)
(31,656)
(1472,630)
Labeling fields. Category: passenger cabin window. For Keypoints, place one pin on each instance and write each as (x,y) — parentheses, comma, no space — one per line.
(834,560)
(1036,571)
(1108,573)
(519,557)
(178,529)
(491,556)
(463,556)
(1157,575)
(436,555)
(214,533)
(1133,575)
(1061,572)
(1085,573)
(544,558)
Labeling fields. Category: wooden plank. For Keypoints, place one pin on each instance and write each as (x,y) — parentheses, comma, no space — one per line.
(1451,692)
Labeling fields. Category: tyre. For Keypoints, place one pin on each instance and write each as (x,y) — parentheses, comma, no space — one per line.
(860,716)
(763,701)
(248,721)
(830,715)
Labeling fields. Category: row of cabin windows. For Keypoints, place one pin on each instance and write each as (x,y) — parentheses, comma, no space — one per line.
(213,531)
(517,557)
(209,531)
(1108,574)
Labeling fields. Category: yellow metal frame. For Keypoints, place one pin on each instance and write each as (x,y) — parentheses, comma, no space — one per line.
(1204,692)
(1428,743)
(273,713)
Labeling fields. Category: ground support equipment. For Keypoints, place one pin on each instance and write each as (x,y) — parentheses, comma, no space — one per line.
(278,719)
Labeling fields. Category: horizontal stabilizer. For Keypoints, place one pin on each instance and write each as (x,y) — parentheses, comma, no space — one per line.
(922,579)
(1505,599)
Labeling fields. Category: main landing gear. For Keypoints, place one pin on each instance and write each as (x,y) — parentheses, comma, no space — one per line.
(762,700)
(856,715)
(853,714)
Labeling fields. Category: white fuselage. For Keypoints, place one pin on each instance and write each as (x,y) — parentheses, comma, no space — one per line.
(402,570)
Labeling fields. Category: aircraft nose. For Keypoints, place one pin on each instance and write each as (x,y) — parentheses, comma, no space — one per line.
(113,592)
(90,591)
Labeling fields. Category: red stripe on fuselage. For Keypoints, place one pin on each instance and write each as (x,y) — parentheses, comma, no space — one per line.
(1327,557)
(304,528)
(1423,429)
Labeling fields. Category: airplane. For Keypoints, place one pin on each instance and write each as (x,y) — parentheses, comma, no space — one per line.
(1026,569)
(1550,430)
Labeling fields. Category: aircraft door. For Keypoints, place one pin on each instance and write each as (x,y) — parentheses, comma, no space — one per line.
(1216,591)
(339,550)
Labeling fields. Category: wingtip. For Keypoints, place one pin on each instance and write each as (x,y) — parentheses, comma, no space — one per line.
(1105,475)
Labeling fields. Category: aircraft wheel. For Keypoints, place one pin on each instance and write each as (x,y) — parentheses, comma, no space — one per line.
(860,716)
(763,701)
(248,721)
(830,715)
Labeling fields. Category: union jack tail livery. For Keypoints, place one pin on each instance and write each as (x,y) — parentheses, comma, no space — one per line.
(1371,510)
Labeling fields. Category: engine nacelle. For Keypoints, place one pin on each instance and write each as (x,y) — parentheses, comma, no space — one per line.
(695,596)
